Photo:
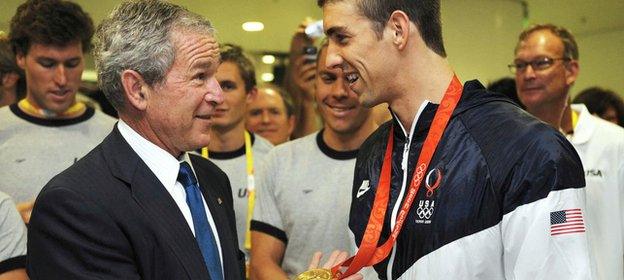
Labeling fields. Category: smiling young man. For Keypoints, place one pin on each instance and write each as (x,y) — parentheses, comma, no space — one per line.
(303,206)
(473,188)
(48,130)
(232,148)
(546,66)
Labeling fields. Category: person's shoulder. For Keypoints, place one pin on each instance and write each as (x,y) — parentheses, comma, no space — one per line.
(5,199)
(85,174)
(296,144)
(506,134)
(609,138)
(7,117)
(206,165)
(261,145)
(499,123)
(88,184)
(6,110)
(103,118)
(614,132)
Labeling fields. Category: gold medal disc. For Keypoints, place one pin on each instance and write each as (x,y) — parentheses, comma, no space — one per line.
(315,274)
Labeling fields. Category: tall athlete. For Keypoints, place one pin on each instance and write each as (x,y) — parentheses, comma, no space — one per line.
(462,183)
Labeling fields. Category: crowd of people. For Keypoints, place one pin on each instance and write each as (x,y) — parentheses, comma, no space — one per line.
(372,148)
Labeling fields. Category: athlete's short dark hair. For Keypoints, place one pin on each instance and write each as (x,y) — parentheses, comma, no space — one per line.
(50,22)
(425,14)
(234,54)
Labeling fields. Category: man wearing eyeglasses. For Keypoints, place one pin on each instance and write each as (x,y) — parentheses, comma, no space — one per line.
(546,66)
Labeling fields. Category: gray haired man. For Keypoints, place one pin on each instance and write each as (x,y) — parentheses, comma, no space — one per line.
(138,206)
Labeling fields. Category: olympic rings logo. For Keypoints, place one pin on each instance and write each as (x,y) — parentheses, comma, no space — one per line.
(424,210)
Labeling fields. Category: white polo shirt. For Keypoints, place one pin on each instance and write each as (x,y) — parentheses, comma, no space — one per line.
(600,144)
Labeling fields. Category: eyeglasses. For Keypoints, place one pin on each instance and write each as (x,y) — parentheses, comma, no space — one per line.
(537,64)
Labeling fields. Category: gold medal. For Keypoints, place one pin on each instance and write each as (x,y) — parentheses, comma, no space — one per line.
(315,274)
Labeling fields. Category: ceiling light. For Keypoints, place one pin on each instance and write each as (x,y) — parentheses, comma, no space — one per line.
(253,26)
(268,59)
(267,77)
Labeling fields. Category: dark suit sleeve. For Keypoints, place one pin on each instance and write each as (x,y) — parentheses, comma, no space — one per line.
(72,237)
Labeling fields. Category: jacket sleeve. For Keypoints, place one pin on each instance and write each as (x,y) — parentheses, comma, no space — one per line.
(544,223)
(71,237)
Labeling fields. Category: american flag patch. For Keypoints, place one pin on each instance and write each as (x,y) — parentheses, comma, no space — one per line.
(566,221)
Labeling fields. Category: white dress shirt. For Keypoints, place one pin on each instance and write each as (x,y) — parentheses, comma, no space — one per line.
(166,168)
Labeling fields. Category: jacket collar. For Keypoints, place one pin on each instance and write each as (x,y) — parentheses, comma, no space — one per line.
(473,94)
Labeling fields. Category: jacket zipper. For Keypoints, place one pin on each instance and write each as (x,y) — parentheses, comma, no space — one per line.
(404,166)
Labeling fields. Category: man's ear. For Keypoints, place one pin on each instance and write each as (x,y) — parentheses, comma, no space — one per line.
(135,89)
(252,94)
(399,26)
(9,80)
(291,124)
(572,71)
(20,59)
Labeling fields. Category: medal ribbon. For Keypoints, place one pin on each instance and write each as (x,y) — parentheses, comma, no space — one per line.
(368,253)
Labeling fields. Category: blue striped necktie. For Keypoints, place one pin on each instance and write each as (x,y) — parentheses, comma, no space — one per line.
(203,232)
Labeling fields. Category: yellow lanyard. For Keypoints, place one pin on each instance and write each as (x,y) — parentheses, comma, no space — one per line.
(251,185)
(32,109)
(575,118)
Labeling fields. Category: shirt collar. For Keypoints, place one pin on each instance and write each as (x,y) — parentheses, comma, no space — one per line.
(164,166)
(584,127)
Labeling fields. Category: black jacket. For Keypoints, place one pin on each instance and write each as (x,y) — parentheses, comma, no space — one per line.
(492,158)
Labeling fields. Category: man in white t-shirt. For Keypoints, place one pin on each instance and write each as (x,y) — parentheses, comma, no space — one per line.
(232,148)
(303,205)
(48,130)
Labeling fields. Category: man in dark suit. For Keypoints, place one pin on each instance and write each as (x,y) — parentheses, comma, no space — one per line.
(138,206)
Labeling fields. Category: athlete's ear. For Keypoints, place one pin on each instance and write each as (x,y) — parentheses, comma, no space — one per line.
(20,59)
(398,26)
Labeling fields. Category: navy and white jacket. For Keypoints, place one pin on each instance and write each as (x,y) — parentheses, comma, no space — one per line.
(510,203)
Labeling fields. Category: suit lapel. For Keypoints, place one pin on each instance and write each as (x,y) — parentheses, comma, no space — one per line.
(157,203)
(217,206)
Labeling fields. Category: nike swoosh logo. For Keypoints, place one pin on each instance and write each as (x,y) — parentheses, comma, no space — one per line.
(363,188)
(307,191)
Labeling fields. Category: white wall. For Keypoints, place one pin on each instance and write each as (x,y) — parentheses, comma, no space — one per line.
(480,36)
(602,60)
